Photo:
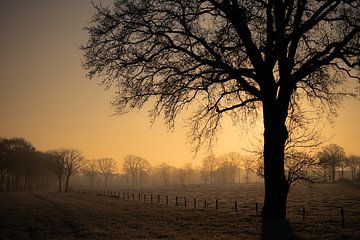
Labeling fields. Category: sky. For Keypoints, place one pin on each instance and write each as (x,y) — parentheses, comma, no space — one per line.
(46,98)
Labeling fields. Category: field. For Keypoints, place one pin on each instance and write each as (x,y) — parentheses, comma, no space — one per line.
(74,215)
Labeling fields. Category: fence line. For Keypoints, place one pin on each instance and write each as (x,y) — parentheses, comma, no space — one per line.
(178,203)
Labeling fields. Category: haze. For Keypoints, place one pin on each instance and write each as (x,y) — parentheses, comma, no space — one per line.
(46,98)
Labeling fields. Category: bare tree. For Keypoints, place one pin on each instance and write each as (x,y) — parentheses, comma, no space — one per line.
(331,156)
(136,167)
(90,169)
(353,162)
(73,161)
(189,170)
(234,159)
(248,165)
(144,168)
(181,172)
(58,165)
(164,173)
(106,168)
(208,168)
(228,56)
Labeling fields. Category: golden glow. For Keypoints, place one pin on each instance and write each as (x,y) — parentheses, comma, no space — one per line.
(45,97)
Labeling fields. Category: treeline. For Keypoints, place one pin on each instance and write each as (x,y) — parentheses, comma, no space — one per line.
(330,164)
(333,159)
(138,172)
(23,168)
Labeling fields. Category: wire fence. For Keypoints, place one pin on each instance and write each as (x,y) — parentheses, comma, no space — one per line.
(339,216)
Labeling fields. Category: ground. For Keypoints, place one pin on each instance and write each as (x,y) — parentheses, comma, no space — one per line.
(74,215)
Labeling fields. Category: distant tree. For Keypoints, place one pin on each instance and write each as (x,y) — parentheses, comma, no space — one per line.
(164,173)
(137,167)
(248,165)
(234,160)
(106,168)
(353,162)
(189,170)
(73,161)
(332,156)
(228,57)
(208,168)
(58,165)
(90,169)
(144,168)
(15,155)
(181,172)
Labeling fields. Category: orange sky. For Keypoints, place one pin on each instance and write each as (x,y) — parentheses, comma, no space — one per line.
(45,97)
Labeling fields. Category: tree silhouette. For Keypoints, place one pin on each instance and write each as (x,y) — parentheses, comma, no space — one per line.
(332,156)
(106,168)
(90,170)
(353,162)
(73,161)
(230,57)
(209,165)
(58,165)
(136,167)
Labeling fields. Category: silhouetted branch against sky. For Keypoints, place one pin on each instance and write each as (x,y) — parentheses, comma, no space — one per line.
(224,56)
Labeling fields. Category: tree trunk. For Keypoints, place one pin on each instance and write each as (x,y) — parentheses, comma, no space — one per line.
(67,183)
(276,186)
(59,179)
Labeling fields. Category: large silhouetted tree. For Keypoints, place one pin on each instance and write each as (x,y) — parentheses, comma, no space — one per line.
(233,57)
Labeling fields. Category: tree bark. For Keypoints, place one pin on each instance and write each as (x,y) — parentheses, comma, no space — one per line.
(59,179)
(67,183)
(276,186)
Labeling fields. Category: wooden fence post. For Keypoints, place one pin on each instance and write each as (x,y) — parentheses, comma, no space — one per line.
(257,208)
(158,198)
(185,202)
(139,197)
(167,200)
(342,218)
(236,206)
(151,196)
(217,204)
(205,205)
(176,201)
(303,214)
(195,203)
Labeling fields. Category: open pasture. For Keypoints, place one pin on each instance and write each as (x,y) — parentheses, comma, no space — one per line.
(73,215)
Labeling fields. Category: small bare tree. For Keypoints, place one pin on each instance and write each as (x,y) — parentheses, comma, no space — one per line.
(106,167)
(208,168)
(73,161)
(58,165)
(164,173)
(353,162)
(331,156)
(90,169)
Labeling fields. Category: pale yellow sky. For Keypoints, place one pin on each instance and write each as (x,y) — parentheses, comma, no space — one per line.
(45,97)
